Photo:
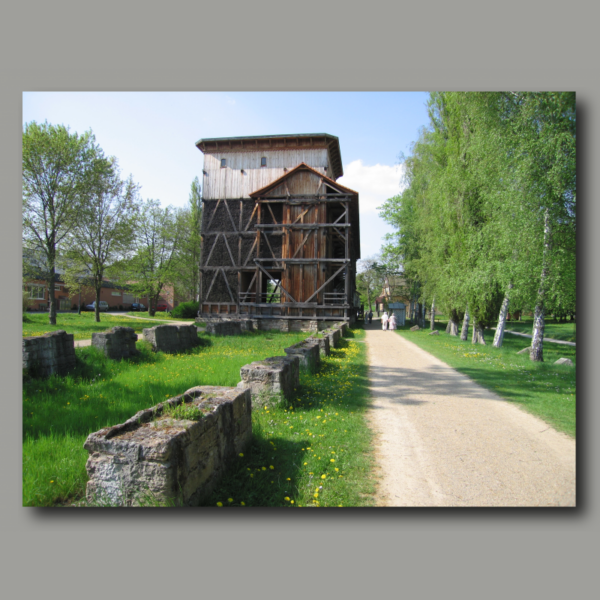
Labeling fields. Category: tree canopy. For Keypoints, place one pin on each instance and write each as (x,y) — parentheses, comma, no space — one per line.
(489,204)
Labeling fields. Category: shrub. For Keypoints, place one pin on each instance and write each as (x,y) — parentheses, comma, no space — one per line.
(186,310)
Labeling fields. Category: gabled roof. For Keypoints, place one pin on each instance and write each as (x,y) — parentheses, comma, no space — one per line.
(300,167)
(354,212)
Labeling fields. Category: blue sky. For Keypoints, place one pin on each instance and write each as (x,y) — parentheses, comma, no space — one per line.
(153,134)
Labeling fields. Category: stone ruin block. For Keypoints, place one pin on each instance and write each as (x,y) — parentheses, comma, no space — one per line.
(436,332)
(525,350)
(49,354)
(564,361)
(222,328)
(271,379)
(334,336)
(308,353)
(116,343)
(415,328)
(172,339)
(323,343)
(155,456)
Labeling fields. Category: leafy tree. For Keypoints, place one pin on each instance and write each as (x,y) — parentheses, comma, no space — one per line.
(488,213)
(58,172)
(159,232)
(105,230)
(187,263)
(369,280)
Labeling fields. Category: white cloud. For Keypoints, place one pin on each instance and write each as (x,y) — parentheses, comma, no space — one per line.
(374,184)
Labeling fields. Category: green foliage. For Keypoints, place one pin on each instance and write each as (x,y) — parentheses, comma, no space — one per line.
(315,451)
(159,233)
(60,412)
(60,170)
(470,222)
(182,411)
(186,310)
(186,278)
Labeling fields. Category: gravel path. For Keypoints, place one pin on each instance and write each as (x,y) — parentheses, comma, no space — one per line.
(443,440)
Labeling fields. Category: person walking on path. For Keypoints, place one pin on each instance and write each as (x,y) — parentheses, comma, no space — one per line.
(392,322)
(370,316)
(442,440)
(384,321)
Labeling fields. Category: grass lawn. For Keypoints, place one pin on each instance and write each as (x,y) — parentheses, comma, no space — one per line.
(60,412)
(82,325)
(552,329)
(543,389)
(314,452)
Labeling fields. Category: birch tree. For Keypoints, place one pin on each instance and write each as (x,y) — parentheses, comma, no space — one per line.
(104,233)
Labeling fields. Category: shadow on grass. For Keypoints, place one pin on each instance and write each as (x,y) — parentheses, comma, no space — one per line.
(250,479)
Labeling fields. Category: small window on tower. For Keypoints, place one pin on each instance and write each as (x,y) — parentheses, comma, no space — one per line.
(263,161)
(223,163)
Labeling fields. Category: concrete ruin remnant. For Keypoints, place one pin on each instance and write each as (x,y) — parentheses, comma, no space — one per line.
(155,457)
(308,353)
(49,354)
(223,328)
(323,343)
(271,379)
(172,339)
(564,361)
(116,343)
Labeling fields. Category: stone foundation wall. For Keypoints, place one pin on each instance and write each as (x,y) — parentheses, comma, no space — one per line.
(222,328)
(116,343)
(308,353)
(272,379)
(49,354)
(172,338)
(334,336)
(323,343)
(167,459)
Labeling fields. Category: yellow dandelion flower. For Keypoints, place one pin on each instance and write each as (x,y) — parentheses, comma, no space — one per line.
(287,498)
(243,504)
(323,476)
(271,467)
(332,460)
(241,454)
(219,504)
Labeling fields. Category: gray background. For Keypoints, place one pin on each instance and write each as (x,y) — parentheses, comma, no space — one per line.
(264,45)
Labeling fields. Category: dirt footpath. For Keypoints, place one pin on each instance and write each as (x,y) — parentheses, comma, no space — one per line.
(442,440)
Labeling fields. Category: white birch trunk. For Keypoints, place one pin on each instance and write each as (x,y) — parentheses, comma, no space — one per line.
(464,333)
(499,335)
(477,333)
(432,315)
(537,342)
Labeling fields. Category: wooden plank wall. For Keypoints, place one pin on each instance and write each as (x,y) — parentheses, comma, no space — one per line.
(230,182)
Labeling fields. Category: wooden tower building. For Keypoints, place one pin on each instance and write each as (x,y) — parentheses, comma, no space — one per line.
(280,238)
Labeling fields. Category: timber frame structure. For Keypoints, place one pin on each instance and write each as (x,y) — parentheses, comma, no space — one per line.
(287,250)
